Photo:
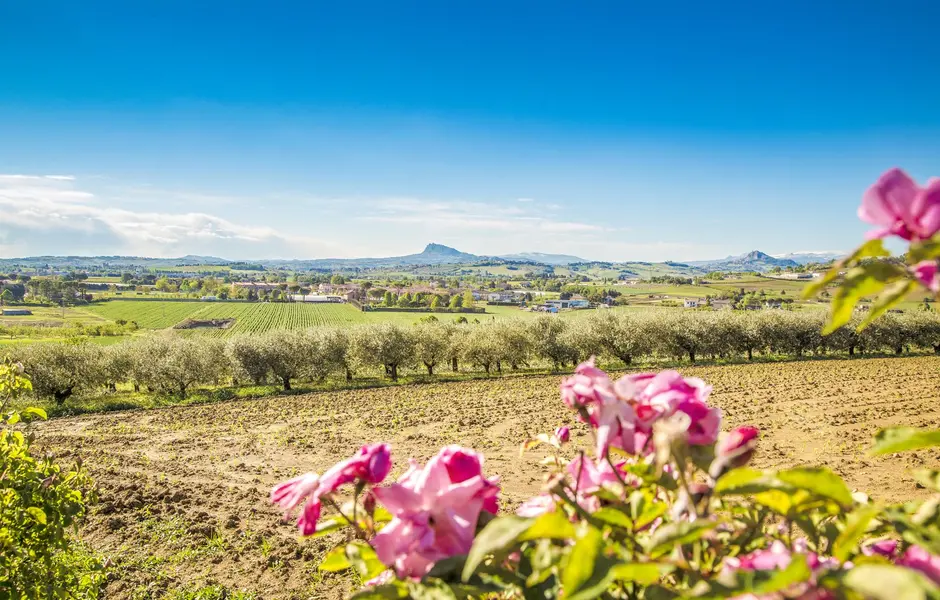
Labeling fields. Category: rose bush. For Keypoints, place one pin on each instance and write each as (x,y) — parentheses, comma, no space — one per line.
(660,504)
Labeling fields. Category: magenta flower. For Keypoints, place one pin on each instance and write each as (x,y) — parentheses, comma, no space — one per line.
(885,548)
(928,274)
(562,434)
(919,559)
(741,443)
(589,385)
(433,516)
(370,465)
(901,207)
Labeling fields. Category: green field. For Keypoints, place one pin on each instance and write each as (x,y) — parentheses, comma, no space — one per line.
(262,316)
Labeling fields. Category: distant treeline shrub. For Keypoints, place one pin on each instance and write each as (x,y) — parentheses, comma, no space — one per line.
(173,364)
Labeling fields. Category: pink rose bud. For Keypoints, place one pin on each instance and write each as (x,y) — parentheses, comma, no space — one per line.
(563,434)
(379,462)
(461,463)
(741,443)
(368,502)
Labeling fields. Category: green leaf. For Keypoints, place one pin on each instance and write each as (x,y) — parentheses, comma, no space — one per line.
(614,517)
(819,481)
(364,559)
(388,591)
(870,249)
(607,573)
(13,419)
(855,527)
(335,560)
(34,410)
(858,284)
(746,481)
(327,527)
(551,525)
(893,294)
(887,582)
(903,439)
(497,535)
(926,250)
(37,514)
(430,589)
(581,561)
(675,534)
(928,478)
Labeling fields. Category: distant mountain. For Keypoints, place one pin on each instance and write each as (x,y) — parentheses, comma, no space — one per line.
(545,259)
(804,258)
(433,254)
(752,261)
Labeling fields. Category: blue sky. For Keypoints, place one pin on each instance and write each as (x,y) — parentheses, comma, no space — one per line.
(611,130)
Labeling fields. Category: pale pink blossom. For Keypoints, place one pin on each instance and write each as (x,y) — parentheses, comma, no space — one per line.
(928,274)
(919,559)
(615,423)
(370,465)
(777,557)
(536,506)
(589,385)
(901,207)
(433,516)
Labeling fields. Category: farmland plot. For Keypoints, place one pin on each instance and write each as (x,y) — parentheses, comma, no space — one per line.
(184,491)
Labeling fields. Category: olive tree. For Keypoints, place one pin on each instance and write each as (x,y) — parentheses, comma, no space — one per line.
(548,341)
(432,342)
(515,342)
(387,345)
(247,359)
(288,354)
(59,370)
(175,364)
(482,347)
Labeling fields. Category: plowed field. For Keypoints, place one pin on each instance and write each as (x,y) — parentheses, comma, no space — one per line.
(184,490)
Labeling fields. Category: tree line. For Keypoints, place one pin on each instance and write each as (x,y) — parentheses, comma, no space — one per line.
(175,364)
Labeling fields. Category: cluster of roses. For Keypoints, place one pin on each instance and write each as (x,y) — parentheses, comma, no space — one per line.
(434,508)
(902,208)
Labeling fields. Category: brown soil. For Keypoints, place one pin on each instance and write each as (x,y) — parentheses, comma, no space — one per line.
(205,324)
(184,491)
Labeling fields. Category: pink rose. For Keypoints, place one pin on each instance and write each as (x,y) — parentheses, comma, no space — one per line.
(433,517)
(901,207)
(655,396)
(740,443)
(589,385)
(562,434)
(926,272)
(919,559)
(370,465)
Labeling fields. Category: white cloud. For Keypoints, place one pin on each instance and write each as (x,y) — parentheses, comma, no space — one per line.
(52,204)
(525,200)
